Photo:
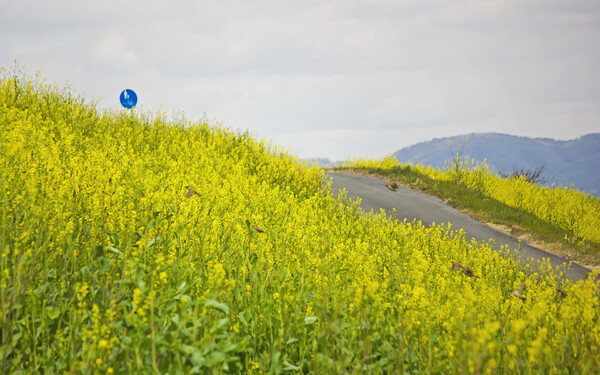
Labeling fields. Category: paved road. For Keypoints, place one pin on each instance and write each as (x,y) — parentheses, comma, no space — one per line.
(411,204)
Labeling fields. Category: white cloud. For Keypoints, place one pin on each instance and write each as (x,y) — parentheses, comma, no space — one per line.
(331,78)
(114,50)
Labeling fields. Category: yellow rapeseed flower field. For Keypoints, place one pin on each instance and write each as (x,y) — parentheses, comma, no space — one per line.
(562,206)
(132,243)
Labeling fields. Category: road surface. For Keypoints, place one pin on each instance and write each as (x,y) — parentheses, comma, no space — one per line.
(411,204)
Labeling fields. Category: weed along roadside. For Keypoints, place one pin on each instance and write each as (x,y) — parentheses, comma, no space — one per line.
(407,204)
(120,254)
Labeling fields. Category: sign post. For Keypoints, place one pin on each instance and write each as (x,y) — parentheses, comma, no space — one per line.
(128,98)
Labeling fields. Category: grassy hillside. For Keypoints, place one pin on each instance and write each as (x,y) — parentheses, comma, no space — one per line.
(133,244)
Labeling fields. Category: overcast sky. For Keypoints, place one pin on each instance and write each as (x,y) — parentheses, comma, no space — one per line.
(327,78)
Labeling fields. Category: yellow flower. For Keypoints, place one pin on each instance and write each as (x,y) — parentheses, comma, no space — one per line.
(163,277)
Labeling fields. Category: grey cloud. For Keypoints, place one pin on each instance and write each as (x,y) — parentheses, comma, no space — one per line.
(291,70)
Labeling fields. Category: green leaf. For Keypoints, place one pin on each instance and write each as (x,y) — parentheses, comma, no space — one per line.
(53,312)
(242,318)
(290,367)
(116,251)
(113,238)
(188,349)
(152,242)
(85,272)
(222,324)
(230,347)
(182,296)
(217,305)
(39,291)
(194,355)
(50,274)
(275,366)
(310,320)
(291,341)
(15,338)
(215,358)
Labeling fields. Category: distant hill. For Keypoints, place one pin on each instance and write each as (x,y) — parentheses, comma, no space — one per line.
(573,162)
(322,162)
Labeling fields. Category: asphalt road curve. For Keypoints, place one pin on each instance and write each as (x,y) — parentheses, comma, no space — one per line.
(411,204)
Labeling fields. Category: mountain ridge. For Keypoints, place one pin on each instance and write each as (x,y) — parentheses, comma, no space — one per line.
(574,162)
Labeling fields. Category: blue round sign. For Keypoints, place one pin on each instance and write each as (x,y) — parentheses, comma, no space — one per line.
(128,98)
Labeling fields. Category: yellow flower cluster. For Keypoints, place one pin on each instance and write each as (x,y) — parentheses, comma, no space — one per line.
(134,243)
(564,207)
(386,162)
